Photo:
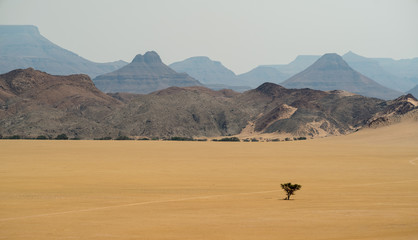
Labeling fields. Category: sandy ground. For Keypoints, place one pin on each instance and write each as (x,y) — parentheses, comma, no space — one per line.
(361,186)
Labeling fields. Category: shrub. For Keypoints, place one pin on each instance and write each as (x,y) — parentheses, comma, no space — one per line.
(62,137)
(42,137)
(13,137)
(123,138)
(229,139)
(180,139)
(104,138)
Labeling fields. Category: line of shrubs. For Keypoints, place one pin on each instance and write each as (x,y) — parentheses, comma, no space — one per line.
(226,139)
(41,137)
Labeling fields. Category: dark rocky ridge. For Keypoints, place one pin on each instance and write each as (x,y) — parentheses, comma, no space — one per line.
(393,110)
(146,73)
(35,103)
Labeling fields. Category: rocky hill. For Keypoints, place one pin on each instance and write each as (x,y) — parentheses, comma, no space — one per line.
(23,47)
(306,112)
(331,72)
(34,103)
(405,106)
(146,73)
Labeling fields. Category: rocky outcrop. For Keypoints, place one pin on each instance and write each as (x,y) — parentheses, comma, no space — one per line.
(393,110)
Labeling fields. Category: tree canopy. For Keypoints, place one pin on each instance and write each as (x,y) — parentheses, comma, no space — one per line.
(290,189)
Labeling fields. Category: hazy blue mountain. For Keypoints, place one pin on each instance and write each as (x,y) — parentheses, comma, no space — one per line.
(407,69)
(262,74)
(205,70)
(300,63)
(414,91)
(331,72)
(373,69)
(22,46)
(211,73)
(396,74)
(146,73)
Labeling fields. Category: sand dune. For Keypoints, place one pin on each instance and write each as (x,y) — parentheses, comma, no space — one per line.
(360,186)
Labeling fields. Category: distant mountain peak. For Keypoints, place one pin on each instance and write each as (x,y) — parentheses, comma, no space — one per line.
(331,72)
(14,29)
(23,46)
(149,58)
(351,56)
(146,73)
(330,61)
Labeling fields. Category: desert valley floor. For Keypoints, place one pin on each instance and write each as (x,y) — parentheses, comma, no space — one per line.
(360,186)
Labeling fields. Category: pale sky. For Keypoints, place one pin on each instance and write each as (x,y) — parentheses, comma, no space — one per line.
(242,34)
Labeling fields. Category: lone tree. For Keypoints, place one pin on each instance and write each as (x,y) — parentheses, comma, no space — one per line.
(290,189)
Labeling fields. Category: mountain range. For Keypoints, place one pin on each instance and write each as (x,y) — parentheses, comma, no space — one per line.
(215,75)
(36,103)
(22,46)
(400,75)
(146,73)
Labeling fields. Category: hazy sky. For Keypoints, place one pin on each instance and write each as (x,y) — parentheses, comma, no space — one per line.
(240,33)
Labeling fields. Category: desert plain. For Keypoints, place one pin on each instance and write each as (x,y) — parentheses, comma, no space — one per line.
(360,186)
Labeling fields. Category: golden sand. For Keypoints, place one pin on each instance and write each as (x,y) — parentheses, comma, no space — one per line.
(361,186)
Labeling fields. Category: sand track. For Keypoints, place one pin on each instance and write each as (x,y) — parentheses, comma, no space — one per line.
(135,204)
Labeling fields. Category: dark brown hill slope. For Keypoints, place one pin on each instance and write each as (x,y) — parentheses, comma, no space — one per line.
(146,73)
(331,72)
(189,111)
(35,103)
